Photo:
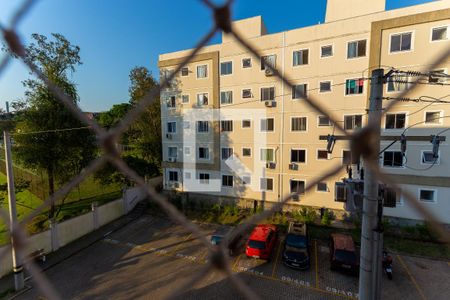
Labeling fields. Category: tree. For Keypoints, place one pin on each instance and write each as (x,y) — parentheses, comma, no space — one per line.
(109,173)
(62,154)
(146,130)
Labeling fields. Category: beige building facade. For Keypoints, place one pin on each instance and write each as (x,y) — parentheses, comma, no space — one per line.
(232,130)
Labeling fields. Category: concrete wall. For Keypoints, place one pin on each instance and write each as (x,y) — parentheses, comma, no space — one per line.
(68,231)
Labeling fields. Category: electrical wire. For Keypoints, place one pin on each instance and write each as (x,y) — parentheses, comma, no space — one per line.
(405,160)
(428,105)
(407,128)
(50,131)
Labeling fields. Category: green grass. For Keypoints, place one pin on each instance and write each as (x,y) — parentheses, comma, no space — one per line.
(77,202)
(25,201)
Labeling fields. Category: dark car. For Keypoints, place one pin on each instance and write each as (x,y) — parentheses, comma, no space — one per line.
(296,247)
(343,254)
(234,245)
(262,241)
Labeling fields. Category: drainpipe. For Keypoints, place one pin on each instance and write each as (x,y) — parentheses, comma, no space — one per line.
(280,180)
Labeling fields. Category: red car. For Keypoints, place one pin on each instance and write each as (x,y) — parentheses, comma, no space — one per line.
(262,241)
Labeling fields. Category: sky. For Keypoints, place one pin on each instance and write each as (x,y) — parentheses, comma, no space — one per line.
(117,35)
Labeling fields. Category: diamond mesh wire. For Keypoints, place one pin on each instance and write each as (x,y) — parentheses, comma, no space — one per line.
(106,140)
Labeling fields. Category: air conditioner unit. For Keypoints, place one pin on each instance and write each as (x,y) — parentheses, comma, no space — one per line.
(293,166)
(172,159)
(169,136)
(271,165)
(295,197)
(268,71)
(270,103)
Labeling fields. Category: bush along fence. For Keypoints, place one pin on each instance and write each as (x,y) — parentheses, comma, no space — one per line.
(62,233)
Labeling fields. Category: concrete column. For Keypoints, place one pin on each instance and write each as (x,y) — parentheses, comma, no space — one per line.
(95,215)
(54,235)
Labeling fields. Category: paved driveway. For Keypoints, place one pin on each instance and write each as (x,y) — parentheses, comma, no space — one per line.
(151,257)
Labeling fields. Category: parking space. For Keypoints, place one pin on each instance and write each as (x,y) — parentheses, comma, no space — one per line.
(152,246)
(333,281)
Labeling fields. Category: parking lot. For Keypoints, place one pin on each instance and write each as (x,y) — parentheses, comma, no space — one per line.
(151,257)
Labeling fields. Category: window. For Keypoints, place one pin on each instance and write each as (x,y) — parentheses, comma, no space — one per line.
(401,42)
(226,126)
(187,175)
(172,152)
(266,184)
(202,126)
(298,156)
(172,102)
(340,192)
(203,152)
(432,117)
(299,91)
(356,49)
(246,123)
(226,68)
(326,51)
(393,159)
(354,86)
(322,187)
(187,151)
(268,60)
(246,151)
(184,71)
(352,122)
(348,159)
(324,121)
(173,176)
(325,86)
(185,98)
(204,178)
(267,124)
(246,63)
(429,159)
(298,124)
(439,34)
(267,94)
(247,93)
(227,153)
(171,127)
(226,97)
(202,99)
(395,121)
(427,195)
(202,71)
(297,186)
(227,180)
(301,57)
(267,155)
(322,154)
(398,83)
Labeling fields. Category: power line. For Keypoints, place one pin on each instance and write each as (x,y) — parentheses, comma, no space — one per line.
(420,99)
(51,131)
(428,105)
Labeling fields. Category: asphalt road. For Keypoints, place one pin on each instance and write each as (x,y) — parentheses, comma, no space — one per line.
(152,258)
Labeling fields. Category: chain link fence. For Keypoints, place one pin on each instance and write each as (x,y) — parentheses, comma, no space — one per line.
(360,145)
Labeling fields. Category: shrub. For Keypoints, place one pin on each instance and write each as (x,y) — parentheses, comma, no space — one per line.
(307,215)
(37,224)
(326,218)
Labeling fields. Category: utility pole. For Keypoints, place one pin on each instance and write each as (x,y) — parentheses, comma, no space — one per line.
(17,260)
(368,272)
(372,212)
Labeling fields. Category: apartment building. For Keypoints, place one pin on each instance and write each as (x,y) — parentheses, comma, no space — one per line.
(232,130)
